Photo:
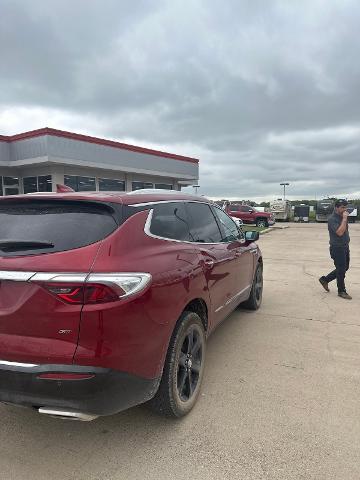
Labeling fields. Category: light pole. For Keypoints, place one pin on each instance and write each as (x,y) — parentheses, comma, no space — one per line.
(284,185)
(196,188)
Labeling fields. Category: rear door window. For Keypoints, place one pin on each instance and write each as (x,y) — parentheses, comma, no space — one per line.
(36,227)
(170,220)
(202,223)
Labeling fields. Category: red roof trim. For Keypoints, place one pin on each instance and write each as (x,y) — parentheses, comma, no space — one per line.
(96,140)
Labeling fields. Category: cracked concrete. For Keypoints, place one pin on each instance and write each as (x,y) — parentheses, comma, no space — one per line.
(280,398)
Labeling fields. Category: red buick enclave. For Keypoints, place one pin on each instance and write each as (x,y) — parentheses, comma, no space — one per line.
(106,299)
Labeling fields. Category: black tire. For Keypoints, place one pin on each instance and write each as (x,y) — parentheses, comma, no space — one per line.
(262,222)
(254,301)
(183,368)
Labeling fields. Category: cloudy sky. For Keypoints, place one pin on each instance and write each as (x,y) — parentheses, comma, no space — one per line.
(261,91)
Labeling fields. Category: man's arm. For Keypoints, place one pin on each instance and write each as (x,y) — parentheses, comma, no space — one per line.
(342,228)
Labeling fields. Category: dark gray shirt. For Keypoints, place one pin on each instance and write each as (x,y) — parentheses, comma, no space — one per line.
(333,224)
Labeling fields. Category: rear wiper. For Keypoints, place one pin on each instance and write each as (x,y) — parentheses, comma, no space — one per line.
(15,245)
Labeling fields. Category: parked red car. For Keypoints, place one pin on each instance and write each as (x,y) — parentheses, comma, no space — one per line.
(250,215)
(106,300)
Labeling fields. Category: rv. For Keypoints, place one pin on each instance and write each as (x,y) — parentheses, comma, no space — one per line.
(324,208)
(352,209)
(281,209)
(301,213)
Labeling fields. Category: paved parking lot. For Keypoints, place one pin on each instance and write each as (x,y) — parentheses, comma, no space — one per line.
(280,398)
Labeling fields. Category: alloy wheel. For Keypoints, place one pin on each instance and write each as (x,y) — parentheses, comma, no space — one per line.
(190,363)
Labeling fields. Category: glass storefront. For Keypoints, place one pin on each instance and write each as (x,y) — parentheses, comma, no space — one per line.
(140,185)
(111,185)
(42,183)
(164,186)
(80,184)
(9,186)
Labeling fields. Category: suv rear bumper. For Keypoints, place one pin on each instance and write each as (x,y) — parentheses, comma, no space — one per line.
(103,391)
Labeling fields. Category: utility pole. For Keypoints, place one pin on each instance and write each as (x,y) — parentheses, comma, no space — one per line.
(284,185)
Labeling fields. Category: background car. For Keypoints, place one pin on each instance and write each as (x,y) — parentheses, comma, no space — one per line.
(106,300)
(250,215)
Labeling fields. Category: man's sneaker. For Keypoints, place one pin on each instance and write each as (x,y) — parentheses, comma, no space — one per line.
(324,283)
(345,295)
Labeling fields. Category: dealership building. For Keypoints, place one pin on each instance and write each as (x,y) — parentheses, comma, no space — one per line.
(36,161)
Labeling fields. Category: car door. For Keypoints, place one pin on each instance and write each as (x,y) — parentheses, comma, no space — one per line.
(234,211)
(244,256)
(217,259)
(246,214)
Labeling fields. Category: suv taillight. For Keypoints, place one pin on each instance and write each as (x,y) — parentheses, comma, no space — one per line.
(83,289)
(83,294)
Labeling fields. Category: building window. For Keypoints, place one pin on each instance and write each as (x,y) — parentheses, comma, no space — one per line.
(1,189)
(30,184)
(10,186)
(111,185)
(79,183)
(164,186)
(140,185)
(42,183)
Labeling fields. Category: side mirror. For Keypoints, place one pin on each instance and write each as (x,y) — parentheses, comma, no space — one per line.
(251,236)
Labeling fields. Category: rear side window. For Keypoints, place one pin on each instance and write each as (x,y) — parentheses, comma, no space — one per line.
(35,227)
(202,223)
(170,220)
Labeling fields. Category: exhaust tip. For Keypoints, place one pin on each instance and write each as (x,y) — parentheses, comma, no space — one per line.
(66,415)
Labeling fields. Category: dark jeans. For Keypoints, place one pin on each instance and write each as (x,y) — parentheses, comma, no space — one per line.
(341,257)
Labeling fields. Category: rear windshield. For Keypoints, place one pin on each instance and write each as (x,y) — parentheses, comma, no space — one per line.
(36,227)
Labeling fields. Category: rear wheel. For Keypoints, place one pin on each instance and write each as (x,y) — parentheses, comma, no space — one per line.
(254,301)
(261,222)
(183,369)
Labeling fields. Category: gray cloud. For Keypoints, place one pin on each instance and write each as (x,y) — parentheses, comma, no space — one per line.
(261,91)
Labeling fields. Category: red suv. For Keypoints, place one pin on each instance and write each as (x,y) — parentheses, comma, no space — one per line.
(106,300)
(250,215)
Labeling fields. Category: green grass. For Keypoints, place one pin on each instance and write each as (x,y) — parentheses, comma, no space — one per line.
(252,228)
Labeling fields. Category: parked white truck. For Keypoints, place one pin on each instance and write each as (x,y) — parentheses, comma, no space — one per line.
(281,209)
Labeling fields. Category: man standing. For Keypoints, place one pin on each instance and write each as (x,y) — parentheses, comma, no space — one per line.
(339,248)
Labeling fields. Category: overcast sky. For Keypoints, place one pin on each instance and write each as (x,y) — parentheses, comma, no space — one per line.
(261,92)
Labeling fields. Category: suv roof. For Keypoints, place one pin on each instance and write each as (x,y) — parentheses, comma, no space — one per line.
(129,198)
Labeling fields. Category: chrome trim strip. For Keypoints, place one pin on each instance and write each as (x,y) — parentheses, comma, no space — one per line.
(53,412)
(16,276)
(145,204)
(232,299)
(237,295)
(58,277)
(17,364)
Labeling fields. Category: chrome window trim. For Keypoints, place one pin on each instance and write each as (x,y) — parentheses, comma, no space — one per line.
(149,234)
